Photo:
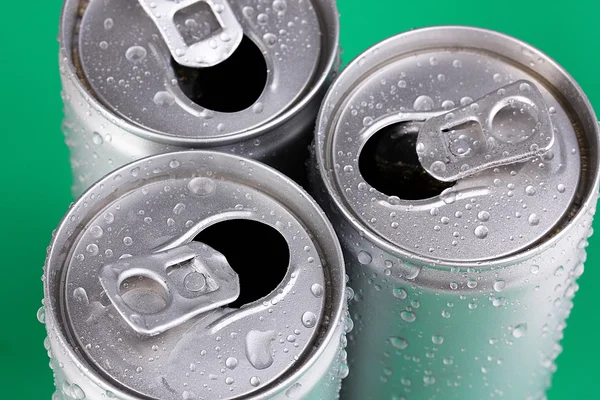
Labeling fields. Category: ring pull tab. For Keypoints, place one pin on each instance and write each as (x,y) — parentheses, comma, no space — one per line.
(160,291)
(206,52)
(504,127)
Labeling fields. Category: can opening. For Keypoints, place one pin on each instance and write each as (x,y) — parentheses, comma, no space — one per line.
(258,253)
(389,163)
(231,86)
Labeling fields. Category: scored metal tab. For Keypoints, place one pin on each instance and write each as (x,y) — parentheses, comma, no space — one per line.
(159,291)
(206,52)
(508,126)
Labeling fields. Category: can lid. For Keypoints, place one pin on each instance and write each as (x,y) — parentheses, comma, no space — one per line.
(179,69)
(144,299)
(454,144)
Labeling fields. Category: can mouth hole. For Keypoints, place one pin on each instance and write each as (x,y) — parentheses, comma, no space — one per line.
(389,163)
(258,253)
(231,86)
(143,294)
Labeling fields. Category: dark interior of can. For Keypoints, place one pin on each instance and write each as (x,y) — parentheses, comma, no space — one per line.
(390,164)
(230,86)
(258,253)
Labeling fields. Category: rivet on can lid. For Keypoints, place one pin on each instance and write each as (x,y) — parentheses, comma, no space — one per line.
(203,53)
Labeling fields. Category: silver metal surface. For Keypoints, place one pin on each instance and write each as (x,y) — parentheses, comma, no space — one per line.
(141,219)
(462,295)
(205,52)
(449,152)
(193,279)
(522,200)
(123,101)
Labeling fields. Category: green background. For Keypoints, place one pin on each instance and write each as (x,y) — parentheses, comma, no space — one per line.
(34,158)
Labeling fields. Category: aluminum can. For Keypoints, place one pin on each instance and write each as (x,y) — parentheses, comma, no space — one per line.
(195,275)
(146,77)
(459,167)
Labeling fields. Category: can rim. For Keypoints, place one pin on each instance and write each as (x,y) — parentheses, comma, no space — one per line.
(323,154)
(336,307)
(332,33)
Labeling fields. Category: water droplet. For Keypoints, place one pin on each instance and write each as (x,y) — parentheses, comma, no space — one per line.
(108,24)
(202,186)
(499,285)
(400,293)
(408,316)
(96,231)
(364,257)
(483,216)
(437,339)
(423,103)
(97,138)
(317,290)
(294,391)
(163,99)
(127,241)
(438,167)
(258,348)
(80,295)
(178,209)
(262,19)
(41,314)
(398,342)
(92,248)
(254,381)
(481,232)
(447,104)
(135,54)
(258,108)
(519,330)
(109,218)
(309,319)
(533,219)
(103,45)
(561,188)
(498,301)
(466,101)
(530,190)
(270,39)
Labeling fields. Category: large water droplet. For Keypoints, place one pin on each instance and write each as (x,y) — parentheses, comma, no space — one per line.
(408,316)
(202,186)
(163,99)
(317,290)
(364,257)
(481,232)
(135,54)
(258,348)
(520,330)
(423,103)
(309,319)
(398,342)
(294,391)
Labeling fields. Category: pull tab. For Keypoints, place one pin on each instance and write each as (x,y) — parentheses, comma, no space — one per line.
(159,291)
(508,126)
(204,53)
